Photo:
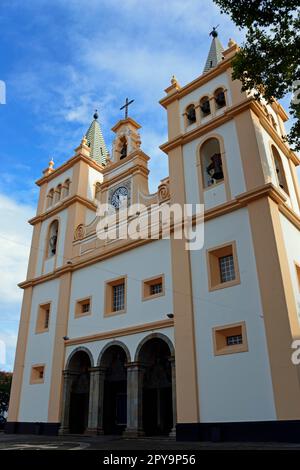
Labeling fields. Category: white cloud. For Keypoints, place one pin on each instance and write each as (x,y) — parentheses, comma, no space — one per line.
(15,239)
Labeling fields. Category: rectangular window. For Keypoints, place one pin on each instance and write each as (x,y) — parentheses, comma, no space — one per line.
(222,264)
(153,287)
(83,307)
(43,318)
(118,297)
(37,374)
(234,339)
(115,296)
(230,339)
(156,288)
(227,272)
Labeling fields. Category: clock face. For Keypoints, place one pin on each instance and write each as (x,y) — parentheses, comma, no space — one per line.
(118,196)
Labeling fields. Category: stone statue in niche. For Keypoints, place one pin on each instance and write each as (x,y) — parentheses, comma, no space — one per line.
(215,170)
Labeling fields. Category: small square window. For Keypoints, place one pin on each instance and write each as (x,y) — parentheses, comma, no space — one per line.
(37,374)
(153,287)
(83,307)
(43,318)
(115,296)
(230,339)
(222,266)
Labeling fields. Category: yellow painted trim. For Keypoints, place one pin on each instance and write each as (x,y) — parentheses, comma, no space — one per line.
(58,355)
(266,190)
(70,200)
(278,304)
(121,332)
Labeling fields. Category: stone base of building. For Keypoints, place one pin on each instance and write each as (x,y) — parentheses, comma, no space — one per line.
(46,429)
(247,431)
(254,431)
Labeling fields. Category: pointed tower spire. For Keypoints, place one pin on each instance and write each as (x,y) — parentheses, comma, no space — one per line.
(215,54)
(96,142)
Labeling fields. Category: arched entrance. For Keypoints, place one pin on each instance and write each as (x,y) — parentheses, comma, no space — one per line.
(157,397)
(79,386)
(114,360)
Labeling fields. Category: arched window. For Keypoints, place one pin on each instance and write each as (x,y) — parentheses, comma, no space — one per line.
(205,106)
(220,98)
(97,190)
(123,148)
(57,193)
(50,198)
(211,162)
(66,188)
(280,174)
(190,114)
(52,239)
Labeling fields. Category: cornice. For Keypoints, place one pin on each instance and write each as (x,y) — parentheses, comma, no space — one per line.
(198,82)
(267,190)
(230,113)
(68,164)
(160,324)
(61,206)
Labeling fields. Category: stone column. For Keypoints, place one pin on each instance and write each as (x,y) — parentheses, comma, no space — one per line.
(95,417)
(135,374)
(65,412)
(174,406)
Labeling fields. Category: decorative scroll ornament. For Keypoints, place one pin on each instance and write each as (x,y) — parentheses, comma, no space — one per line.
(163,192)
(79,232)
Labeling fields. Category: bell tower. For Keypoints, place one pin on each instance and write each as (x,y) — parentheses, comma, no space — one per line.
(66,199)
(227,151)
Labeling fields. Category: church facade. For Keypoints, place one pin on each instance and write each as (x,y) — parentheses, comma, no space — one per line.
(141,336)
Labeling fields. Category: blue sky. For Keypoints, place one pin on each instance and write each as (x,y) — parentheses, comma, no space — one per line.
(60,59)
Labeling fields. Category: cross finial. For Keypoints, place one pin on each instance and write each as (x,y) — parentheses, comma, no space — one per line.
(214,32)
(125,106)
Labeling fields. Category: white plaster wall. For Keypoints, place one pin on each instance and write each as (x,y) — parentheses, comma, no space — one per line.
(221,81)
(35,398)
(94,177)
(49,264)
(191,159)
(131,341)
(292,245)
(144,262)
(234,387)
(214,196)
